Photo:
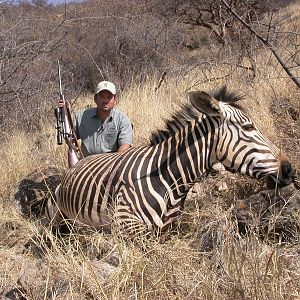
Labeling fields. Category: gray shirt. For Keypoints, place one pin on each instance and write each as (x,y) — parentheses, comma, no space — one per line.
(99,137)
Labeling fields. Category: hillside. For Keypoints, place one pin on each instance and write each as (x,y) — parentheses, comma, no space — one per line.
(155,53)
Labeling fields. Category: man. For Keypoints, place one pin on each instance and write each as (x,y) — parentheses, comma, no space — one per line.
(103,128)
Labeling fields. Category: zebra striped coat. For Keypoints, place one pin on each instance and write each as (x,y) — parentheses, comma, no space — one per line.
(145,187)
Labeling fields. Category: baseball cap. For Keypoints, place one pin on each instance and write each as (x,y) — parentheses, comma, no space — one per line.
(107,86)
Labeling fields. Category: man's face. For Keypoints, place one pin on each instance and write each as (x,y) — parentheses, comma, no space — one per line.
(105,100)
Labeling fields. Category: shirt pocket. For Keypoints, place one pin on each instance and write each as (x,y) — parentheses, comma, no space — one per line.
(111,138)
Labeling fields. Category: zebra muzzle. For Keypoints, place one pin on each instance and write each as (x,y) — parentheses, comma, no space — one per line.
(283,177)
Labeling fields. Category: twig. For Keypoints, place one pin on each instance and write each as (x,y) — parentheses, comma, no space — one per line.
(265,42)
(162,78)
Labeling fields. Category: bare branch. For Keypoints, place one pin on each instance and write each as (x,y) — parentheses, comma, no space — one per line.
(265,42)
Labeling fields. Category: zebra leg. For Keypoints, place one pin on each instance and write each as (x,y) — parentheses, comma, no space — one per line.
(52,212)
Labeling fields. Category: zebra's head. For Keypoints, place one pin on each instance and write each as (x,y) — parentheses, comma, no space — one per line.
(239,145)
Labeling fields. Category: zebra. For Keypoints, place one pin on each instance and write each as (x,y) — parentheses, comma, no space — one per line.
(145,187)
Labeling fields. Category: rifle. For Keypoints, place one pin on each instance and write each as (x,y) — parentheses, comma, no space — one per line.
(65,128)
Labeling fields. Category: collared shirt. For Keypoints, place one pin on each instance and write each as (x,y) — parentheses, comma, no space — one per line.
(99,137)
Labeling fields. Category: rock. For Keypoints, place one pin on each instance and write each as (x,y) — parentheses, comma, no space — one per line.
(100,268)
(32,191)
(13,293)
(218,167)
(222,186)
(275,213)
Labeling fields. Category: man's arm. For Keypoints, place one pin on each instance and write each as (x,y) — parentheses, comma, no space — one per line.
(125,134)
(124,147)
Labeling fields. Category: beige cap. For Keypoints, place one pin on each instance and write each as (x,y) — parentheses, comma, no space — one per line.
(105,86)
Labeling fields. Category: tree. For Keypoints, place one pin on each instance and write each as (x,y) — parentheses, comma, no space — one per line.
(271,34)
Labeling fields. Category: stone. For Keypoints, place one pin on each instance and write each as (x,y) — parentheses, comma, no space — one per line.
(275,212)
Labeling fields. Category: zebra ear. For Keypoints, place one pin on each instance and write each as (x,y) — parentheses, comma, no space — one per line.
(205,103)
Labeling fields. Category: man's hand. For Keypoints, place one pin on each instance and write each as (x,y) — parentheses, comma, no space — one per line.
(61,104)
(124,147)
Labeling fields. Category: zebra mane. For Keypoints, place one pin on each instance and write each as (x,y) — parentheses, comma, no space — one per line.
(187,114)
(228,97)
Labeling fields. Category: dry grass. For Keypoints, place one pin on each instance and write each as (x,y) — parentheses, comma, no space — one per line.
(202,257)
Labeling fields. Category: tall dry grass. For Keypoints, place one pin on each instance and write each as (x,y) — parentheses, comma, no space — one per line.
(202,257)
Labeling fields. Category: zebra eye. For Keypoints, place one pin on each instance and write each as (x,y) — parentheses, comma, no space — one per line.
(248,127)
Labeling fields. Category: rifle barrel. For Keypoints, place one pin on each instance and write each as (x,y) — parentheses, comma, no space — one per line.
(61,95)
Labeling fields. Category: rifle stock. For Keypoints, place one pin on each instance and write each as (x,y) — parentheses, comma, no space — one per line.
(65,127)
